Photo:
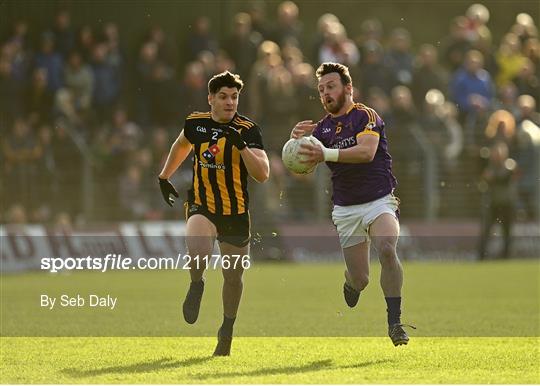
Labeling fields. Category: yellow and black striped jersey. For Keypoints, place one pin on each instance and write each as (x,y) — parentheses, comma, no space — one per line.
(219,173)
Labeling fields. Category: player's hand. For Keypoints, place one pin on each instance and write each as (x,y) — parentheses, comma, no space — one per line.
(312,153)
(233,136)
(166,190)
(303,128)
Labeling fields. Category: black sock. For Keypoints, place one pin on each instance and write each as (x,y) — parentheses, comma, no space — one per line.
(394,310)
(227,326)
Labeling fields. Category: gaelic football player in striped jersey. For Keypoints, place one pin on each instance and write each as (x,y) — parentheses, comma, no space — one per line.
(227,149)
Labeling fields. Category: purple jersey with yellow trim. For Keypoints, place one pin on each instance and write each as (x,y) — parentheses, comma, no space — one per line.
(357,183)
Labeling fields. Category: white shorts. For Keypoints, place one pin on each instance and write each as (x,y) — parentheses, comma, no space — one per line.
(353,221)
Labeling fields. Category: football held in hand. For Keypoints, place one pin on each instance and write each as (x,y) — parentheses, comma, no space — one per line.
(294,161)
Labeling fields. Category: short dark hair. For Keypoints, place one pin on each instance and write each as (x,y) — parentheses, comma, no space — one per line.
(225,79)
(330,67)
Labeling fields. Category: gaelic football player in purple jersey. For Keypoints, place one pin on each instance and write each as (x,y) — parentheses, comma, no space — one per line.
(354,147)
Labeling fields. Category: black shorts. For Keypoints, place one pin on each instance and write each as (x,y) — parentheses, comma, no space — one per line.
(232,229)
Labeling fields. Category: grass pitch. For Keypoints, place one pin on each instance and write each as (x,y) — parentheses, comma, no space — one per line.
(477,323)
(270,360)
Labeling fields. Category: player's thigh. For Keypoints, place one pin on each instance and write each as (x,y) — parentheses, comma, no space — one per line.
(232,258)
(357,259)
(200,235)
(384,233)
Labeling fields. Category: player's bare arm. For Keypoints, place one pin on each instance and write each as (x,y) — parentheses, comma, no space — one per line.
(257,163)
(178,153)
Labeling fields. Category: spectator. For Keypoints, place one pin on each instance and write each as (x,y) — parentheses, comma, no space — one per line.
(115,53)
(531,50)
(324,23)
(85,42)
(306,91)
(16,215)
(22,152)
(527,110)
(10,106)
(403,105)
(528,158)
(200,38)
(18,52)
(39,99)
(193,90)
(272,94)
(51,61)
(509,59)
(338,48)
(456,45)
(374,72)
(131,197)
(163,95)
(208,60)
(524,27)
(398,57)
(144,67)
(427,74)
(440,125)
(288,29)
(484,45)
(64,36)
(471,87)
(20,35)
(166,52)
(477,16)
(372,30)
(527,82)
(507,98)
(257,12)
(501,127)
(224,63)
(107,78)
(74,100)
(242,44)
(380,102)
(499,198)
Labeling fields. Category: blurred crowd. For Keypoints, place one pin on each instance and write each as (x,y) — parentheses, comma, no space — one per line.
(86,124)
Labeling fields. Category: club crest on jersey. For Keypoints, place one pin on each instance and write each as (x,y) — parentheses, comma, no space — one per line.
(339,127)
(211,152)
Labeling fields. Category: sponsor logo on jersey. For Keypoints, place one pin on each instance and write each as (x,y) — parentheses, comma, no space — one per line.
(211,152)
(211,166)
(344,143)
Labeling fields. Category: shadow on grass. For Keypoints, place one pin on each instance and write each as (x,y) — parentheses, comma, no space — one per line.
(364,364)
(141,367)
(325,364)
(169,363)
(313,366)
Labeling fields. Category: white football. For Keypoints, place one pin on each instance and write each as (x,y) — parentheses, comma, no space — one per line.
(291,158)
